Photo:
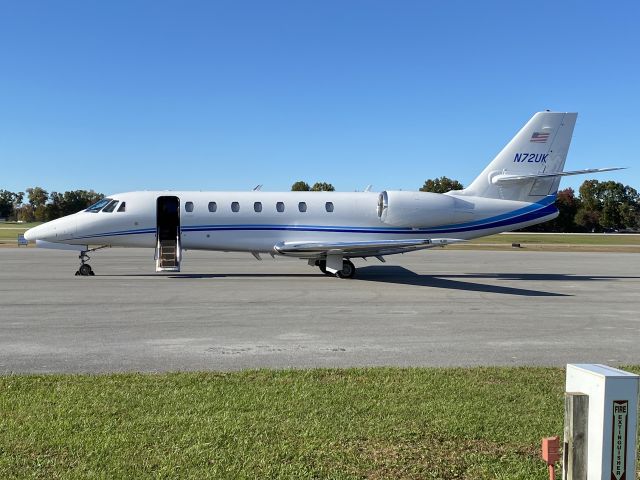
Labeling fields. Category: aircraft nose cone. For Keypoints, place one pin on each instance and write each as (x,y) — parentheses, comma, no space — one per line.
(54,231)
(34,233)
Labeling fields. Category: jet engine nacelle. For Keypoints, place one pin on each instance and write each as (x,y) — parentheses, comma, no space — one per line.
(421,209)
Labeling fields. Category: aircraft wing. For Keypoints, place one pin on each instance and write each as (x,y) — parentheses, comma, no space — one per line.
(360,249)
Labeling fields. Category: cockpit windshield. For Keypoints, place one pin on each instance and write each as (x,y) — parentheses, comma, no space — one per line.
(111,207)
(96,207)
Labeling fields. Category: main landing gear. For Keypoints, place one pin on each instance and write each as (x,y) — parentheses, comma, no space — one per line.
(85,269)
(348,269)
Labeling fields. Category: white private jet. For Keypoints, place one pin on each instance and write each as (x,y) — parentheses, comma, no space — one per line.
(517,189)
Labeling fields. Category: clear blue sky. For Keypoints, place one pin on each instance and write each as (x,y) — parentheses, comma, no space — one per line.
(132,95)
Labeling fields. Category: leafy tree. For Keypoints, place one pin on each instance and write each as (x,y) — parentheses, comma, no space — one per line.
(588,220)
(630,208)
(17,204)
(607,205)
(300,186)
(619,205)
(53,208)
(589,193)
(588,215)
(7,203)
(567,204)
(26,213)
(38,196)
(322,187)
(441,185)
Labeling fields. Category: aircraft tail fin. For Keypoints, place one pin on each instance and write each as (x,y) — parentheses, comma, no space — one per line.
(535,156)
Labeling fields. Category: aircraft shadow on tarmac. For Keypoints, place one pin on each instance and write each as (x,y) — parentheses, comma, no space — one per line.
(402,276)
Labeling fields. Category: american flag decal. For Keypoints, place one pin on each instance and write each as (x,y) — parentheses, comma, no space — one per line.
(539,137)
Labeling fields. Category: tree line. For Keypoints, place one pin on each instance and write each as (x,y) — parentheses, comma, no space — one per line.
(302,186)
(38,205)
(598,206)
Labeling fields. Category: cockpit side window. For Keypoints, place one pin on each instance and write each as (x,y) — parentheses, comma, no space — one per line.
(122,207)
(99,205)
(111,207)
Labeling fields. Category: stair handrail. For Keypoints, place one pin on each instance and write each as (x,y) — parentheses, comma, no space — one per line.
(178,247)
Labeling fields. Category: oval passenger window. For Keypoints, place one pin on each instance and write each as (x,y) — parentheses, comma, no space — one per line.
(235,207)
(188,207)
(280,207)
(213,206)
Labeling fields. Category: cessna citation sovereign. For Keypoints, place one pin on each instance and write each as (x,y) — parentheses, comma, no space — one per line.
(517,189)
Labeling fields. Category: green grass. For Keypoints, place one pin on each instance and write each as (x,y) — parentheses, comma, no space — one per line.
(560,238)
(9,230)
(482,423)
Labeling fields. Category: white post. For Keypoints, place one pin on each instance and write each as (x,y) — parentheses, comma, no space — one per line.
(613,415)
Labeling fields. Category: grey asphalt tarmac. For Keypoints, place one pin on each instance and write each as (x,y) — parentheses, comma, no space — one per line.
(228,311)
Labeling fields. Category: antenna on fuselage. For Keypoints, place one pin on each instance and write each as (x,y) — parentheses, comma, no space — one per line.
(368,189)
(257,188)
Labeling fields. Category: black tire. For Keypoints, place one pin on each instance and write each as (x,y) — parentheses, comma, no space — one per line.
(348,270)
(85,270)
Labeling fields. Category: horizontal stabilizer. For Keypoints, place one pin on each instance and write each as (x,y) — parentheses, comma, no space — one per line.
(507,177)
(357,249)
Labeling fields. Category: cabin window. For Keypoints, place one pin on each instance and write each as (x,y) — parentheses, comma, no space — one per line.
(99,205)
(122,207)
(111,207)
(188,207)
(213,206)
(328,207)
(280,207)
(302,206)
(235,207)
(257,207)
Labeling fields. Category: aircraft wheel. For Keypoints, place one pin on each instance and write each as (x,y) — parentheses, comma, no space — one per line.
(85,270)
(348,270)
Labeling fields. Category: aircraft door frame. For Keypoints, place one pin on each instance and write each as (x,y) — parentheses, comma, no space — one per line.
(167,217)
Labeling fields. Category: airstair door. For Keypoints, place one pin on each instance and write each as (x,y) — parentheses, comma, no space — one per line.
(168,249)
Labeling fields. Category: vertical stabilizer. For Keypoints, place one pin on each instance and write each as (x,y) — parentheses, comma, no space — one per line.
(541,146)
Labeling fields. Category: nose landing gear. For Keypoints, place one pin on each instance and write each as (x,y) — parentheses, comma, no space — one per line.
(85,269)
